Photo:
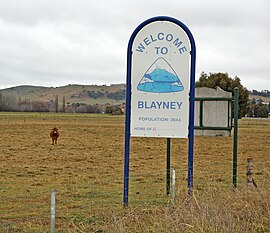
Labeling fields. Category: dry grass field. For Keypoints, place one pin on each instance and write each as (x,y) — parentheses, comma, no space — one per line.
(86,170)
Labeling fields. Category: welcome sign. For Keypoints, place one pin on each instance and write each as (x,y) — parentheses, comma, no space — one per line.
(160,81)
(160,86)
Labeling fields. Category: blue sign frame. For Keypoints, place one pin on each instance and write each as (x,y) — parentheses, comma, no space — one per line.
(191,102)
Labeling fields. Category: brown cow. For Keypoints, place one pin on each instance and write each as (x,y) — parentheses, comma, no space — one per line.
(54,135)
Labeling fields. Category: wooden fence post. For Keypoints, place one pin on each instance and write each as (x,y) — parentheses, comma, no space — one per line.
(250,180)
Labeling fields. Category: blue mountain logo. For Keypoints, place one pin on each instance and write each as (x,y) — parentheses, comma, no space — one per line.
(160,78)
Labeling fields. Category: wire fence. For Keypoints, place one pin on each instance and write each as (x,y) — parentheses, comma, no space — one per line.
(74,201)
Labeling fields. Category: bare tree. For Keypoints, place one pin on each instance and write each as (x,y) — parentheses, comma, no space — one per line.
(56,103)
(8,103)
(64,104)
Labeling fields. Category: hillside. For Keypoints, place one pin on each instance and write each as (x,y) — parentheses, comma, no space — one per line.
(265,99)
(263,95)
(86,94)
(83,94)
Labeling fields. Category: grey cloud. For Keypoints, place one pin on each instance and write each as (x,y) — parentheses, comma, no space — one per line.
(65,41)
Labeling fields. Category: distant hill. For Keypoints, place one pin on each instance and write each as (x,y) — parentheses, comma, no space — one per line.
(263,95)
(263,98)
(86,94)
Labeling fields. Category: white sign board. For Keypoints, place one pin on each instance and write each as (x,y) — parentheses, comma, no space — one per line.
(160,81)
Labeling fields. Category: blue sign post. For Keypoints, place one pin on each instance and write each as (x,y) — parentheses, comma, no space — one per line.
(160,86)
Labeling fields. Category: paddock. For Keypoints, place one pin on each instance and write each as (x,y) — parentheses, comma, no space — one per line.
(86,170)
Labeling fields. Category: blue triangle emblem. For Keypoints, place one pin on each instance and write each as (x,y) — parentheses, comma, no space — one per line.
(160,78)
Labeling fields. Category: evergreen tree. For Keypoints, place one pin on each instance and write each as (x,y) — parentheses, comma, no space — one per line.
(226,83)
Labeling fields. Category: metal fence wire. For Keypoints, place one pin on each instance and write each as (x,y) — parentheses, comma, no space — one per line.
(54,209)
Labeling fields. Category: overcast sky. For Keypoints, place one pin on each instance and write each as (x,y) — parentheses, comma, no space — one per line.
(61,42)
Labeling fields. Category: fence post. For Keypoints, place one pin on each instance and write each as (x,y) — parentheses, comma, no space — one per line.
(168,166)
(250,180)
(53,211)
(173,186)
(235,138)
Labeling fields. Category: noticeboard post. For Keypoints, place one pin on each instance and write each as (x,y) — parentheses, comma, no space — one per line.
(160,86)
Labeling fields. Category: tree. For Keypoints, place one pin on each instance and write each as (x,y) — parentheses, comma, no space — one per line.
(39,106)
(1,101)
(226,83)
(56,103)
(118,95)
(7,102)
(24,105)
(114,110)
(258,109)
(64,104)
